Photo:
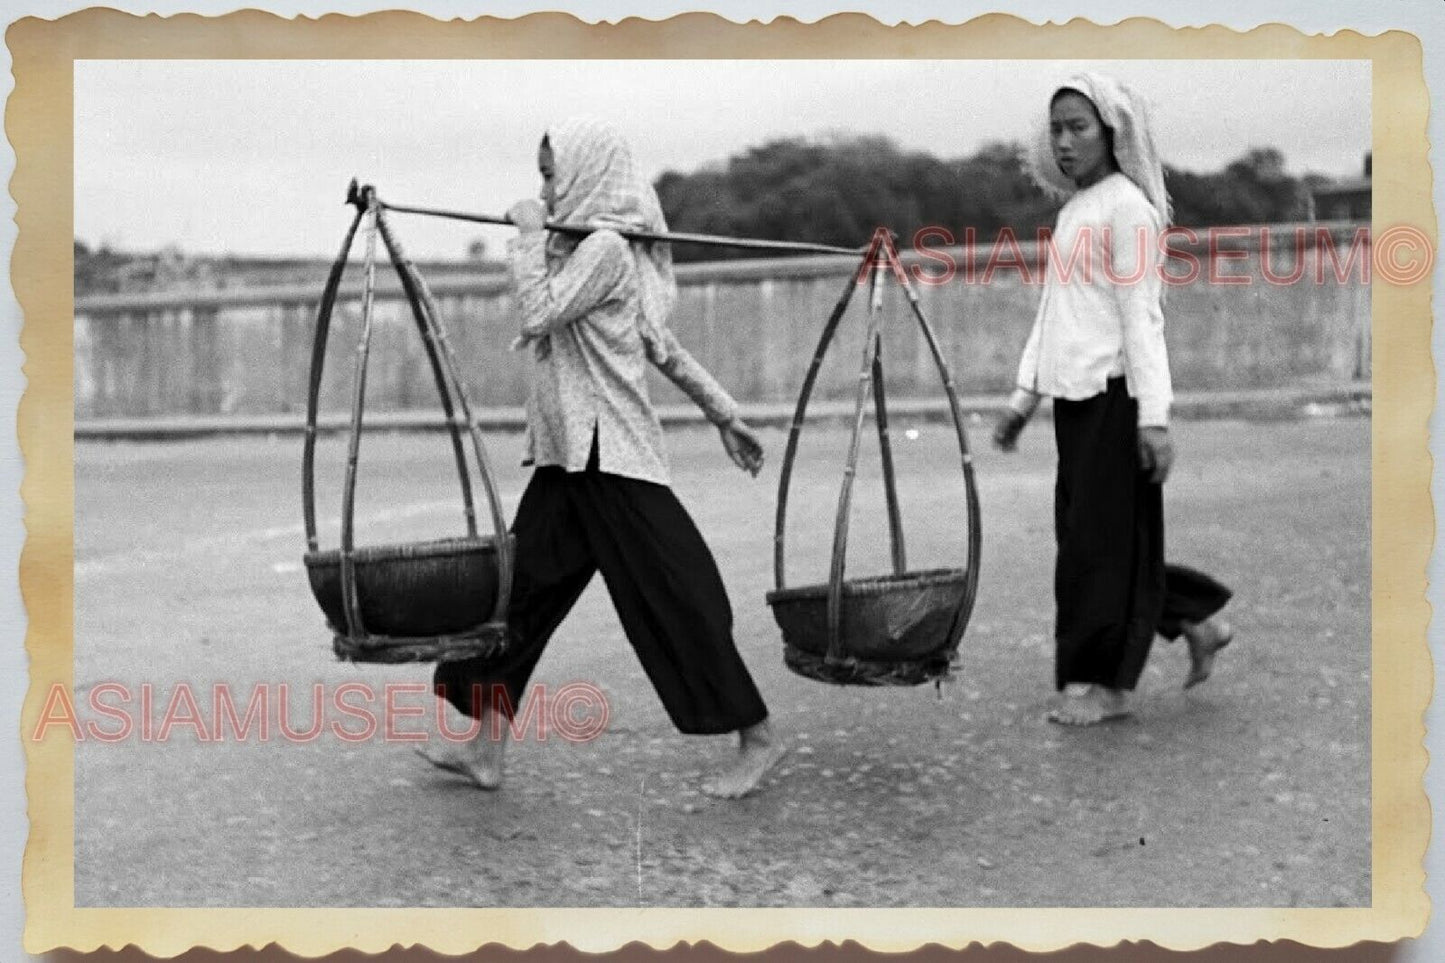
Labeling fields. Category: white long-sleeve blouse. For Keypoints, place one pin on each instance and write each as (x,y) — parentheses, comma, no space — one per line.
(1100,315)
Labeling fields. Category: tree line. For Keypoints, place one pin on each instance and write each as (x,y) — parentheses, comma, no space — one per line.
(835,190)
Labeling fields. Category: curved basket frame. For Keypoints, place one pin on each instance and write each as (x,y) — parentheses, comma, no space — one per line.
(355,642)
(836,666)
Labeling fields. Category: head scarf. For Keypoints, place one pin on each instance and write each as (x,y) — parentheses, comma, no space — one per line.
(1126,114)
(596,183)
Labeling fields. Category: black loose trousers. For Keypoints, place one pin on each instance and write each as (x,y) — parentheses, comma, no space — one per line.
(1112,587)
(663,581)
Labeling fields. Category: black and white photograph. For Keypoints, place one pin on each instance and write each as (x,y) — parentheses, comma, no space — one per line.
(514,482)
(965,505)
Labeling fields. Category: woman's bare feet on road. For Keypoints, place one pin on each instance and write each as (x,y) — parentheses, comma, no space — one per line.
(759,749)
(485,772)
(478,759)
(1206,639)
(1089,705)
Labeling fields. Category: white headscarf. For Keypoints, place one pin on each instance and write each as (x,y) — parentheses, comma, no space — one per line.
(1126,114)
(596,183)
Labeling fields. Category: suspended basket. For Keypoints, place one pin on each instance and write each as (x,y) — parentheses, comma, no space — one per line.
(902,628)
(422,601)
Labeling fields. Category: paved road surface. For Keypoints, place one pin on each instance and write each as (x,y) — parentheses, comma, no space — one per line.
(1252,790)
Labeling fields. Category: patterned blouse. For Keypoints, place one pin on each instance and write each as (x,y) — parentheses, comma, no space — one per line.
(591,364)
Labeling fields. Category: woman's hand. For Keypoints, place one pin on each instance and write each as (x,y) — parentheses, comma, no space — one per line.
(1021,406)
(1156,453)
(528,215)
(1007,430)
(742,445)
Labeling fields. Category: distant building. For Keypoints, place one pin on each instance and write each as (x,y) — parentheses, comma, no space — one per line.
(1343,200)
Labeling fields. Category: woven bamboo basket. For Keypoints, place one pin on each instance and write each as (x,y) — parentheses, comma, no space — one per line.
(902,628)
(898,627)
(438,590)
(422,601)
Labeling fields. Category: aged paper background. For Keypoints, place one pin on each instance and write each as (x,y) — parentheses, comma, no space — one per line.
(38,125)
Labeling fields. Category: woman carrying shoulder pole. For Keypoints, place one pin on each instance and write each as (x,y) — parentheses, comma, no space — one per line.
(594,314)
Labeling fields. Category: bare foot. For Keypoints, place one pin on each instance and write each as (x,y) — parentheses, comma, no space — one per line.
(1206,639)
(759,749)
(1089,705)
(484,773)
(478,759)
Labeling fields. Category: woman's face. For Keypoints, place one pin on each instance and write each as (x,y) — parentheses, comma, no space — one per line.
(547,167)
(1079,138)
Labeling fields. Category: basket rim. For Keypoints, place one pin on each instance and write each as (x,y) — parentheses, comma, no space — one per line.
(871,585)
(396,551)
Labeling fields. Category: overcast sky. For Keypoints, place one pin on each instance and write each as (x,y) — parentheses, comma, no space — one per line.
(254,156)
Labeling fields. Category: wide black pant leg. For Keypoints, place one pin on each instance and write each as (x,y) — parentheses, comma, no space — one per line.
(671,600)
(552,566)
(664,584)
(1189,596)
(1109,580)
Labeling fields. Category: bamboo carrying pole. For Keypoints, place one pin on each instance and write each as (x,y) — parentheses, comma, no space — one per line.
(671,237)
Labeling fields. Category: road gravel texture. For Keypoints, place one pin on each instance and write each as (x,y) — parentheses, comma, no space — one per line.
(1252,790)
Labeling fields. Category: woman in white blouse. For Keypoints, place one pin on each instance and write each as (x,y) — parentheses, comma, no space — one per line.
(1097,348)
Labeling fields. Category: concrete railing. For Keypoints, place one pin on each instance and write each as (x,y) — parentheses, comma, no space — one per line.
(753,323)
